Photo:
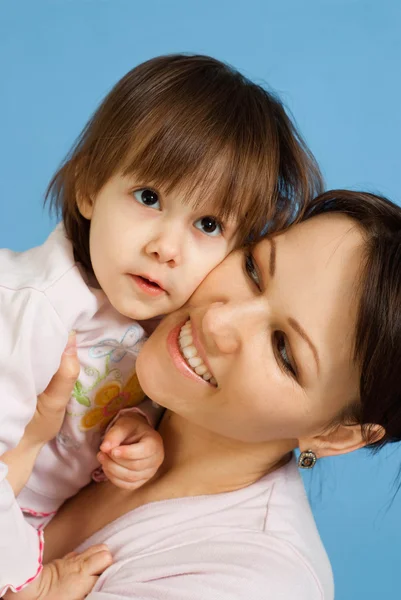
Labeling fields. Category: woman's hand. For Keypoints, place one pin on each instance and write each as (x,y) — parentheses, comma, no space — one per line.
(46,422)
(52,403)
(68,578)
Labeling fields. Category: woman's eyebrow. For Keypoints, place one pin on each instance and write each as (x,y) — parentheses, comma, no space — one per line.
(297,327)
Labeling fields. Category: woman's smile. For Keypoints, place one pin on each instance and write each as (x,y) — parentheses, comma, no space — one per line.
(189,346)
(184,350)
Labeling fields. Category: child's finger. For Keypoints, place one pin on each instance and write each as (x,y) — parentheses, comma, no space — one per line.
(117,434)
(114,472)
(150,445)
(129,485)
(141,464)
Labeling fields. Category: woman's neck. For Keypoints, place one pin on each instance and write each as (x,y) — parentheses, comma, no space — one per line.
(200,462)
(197,463)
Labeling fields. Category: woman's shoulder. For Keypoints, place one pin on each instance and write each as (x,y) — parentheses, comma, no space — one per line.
(260,538)
(280,544)
(218,568)
(289,521)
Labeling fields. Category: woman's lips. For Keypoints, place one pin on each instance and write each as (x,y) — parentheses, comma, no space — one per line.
(147,286)
(176,356)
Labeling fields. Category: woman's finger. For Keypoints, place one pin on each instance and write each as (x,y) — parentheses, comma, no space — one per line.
(95,560)
(59,390)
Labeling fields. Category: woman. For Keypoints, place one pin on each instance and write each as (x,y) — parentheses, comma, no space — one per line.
(297,336)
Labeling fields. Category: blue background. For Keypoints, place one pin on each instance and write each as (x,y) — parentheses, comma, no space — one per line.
(337,66)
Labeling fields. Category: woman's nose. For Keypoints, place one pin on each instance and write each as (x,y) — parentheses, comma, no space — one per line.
(227,325)
(165,248)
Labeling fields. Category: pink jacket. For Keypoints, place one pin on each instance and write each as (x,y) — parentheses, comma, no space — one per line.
(44,295)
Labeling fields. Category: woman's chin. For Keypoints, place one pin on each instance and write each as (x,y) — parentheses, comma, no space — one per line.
(147,371)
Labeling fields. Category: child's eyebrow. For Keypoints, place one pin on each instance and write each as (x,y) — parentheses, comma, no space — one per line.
(272,260)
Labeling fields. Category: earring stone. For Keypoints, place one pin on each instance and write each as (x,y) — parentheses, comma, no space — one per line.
(307,459)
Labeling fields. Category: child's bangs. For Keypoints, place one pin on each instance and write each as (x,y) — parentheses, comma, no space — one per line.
(214,170)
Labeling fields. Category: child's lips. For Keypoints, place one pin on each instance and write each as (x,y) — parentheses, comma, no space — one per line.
(148,285)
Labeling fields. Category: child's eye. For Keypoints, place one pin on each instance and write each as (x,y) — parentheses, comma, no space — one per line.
(209,225)
(147,197)
(252,270)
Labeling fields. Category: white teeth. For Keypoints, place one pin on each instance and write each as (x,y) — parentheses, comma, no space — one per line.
(201,370)
(195,362)
(189,351)
(186,340)
(190,354)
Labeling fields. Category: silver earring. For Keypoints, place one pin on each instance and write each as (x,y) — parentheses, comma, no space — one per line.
(307,459)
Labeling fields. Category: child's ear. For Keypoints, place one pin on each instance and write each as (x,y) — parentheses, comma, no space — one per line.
(85,205)
(341,440)
(84,201)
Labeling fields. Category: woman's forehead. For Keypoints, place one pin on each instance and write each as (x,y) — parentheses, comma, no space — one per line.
(312,272)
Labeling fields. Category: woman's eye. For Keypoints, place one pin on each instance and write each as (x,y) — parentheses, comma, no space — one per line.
(147,197)
(209,226)
(252,271)
(281,345)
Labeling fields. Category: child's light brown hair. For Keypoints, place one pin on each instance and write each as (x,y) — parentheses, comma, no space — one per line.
(195,124)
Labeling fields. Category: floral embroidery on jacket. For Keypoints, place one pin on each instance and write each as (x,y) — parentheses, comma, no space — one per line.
(130,343)
(109,400)
(102,402)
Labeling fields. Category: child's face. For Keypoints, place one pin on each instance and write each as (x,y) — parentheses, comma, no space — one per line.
(149,250)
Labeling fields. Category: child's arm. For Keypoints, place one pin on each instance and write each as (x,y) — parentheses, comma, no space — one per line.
(22,575)
(21,546)
(32,342)
(21,571)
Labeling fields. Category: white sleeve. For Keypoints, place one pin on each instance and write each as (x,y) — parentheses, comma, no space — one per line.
(213,571)
(21,546)
(32,341)
(147,408)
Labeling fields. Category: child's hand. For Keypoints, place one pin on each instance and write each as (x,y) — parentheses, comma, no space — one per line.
(131,452)
(68,578)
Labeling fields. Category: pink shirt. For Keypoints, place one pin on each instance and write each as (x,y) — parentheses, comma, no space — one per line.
(44,294)
(258,543)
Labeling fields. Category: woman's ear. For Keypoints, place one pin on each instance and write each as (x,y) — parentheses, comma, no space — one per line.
(342,439)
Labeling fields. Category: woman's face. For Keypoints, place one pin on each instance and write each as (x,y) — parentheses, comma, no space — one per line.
(274,331)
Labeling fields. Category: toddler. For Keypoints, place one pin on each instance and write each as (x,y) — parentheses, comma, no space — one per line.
(184,160)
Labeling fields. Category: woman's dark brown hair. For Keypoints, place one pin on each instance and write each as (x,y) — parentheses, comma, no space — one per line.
(194,123)
(378,328)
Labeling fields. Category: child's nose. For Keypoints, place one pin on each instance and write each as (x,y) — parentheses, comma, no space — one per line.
(166,248)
